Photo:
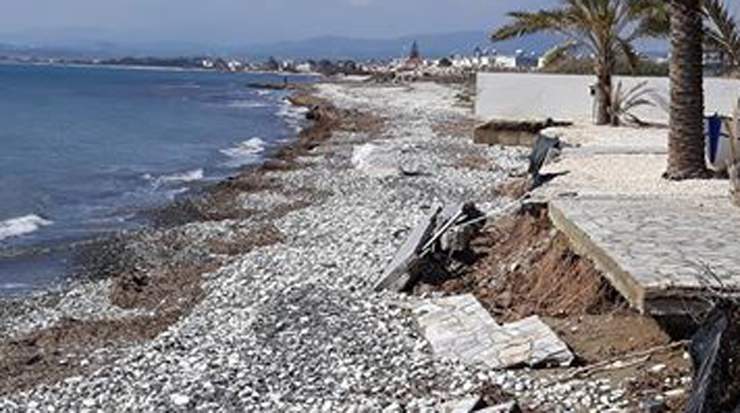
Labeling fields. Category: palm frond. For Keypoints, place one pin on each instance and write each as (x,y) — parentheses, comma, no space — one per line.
(525,23)
(721,32)
(628,50)
(625,102)
(556,54)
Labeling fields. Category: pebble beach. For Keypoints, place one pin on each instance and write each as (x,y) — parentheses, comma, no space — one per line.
(295,325)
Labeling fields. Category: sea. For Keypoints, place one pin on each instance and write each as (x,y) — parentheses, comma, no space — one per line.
(84,150)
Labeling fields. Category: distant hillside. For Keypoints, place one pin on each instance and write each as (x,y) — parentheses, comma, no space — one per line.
(431,45)
(330,47)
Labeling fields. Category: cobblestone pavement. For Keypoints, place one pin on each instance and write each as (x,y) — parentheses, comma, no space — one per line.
(654,238)
(665,246)
(459,328)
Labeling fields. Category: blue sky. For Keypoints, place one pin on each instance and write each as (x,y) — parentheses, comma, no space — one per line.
(243,21)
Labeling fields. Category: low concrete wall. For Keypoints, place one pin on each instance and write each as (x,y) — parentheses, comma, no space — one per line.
(529,96)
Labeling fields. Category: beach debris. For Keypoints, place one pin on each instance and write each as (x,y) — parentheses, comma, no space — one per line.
(508,407)
(713,349)
(653,405)
(544,150)
(459,328)
(466,405)
(513,133)
(273,86)
(375,160)
(398,275)
(457,237)
(433,245)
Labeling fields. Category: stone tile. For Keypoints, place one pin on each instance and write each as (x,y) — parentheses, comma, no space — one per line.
(459,328)
(662,244)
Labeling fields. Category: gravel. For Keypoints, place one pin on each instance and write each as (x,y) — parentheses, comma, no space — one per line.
(295,326)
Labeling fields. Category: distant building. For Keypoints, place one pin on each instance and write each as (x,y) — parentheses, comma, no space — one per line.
(305,67)
(518,61)
(234,66)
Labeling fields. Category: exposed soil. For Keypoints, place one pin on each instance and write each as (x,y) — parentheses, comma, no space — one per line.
(462,126)
(56,353)
(523,126)
(475,162)
(514,188)
(523,267)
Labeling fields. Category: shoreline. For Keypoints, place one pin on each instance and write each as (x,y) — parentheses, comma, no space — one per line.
(287,261)
(105,261)
(139,218)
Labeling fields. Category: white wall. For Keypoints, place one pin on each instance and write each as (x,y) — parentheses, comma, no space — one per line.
(566,97)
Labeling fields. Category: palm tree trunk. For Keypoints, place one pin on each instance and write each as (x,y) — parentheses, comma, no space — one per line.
(686,159)
(603,92)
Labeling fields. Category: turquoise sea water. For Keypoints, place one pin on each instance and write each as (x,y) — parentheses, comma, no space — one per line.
(83,150)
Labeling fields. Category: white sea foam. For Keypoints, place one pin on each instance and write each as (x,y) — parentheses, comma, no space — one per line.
(246,104)
(245,152)
(172,195)
(27,224)
(14,286)
(188,176)
(293,115)
(291,111)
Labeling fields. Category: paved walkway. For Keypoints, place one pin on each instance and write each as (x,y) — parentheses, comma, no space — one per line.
(654,239)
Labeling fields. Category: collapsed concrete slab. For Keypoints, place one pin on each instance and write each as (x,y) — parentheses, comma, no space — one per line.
(399,273)
(663,255)
(508,407)
(430,244)
(459,328)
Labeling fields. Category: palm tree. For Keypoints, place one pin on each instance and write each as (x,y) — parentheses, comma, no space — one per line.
(606,28)
(721,34)
(686,136)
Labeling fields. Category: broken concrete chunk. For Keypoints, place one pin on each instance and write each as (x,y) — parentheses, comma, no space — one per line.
(375,160)
(532,342)
(397,275)
(431,246)
(445,220)
(459,328)
(508,407)
(457,238)
(461,406)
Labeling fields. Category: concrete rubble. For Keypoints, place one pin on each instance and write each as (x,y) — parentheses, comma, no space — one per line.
(430,244)
(466,405)
(459,328)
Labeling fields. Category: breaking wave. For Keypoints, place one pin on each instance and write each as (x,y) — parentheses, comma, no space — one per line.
(245,152)
(293,115)
(247,104)
(27,224)
(187,176)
